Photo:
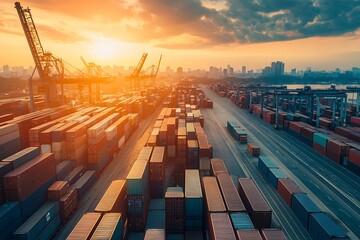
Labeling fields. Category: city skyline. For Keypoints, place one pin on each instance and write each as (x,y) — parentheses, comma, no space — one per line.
(118,35)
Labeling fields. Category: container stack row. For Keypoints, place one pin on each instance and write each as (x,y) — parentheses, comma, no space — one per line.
(318,224)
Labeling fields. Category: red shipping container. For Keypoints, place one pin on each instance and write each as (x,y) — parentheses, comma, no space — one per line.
(258,208)
(319,148)
(213,196)
(273,234)
(231,196)
(24,180)
(248,234)
(355,121)
(220,226)
(57,190)
(218,166)
(354,156)
(286,188)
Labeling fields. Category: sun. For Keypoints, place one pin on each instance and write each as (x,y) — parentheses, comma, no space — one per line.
(104,48)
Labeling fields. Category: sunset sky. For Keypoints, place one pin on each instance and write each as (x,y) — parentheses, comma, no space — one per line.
(323,34)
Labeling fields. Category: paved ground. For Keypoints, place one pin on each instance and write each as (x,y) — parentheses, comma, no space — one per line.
(335,190)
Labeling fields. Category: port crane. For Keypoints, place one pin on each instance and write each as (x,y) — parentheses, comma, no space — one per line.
(50,68)
(139,75)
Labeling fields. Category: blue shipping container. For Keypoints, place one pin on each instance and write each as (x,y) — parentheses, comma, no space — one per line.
(320,139)
(275,174)
(63,169)
(34,201)
(23,156)
(155,219)
(50,229)
(303,207)
(321,227)
(137,181)
(37,222)
(264,164)
(10,219)
(75,174)
(85,182)
(241,220)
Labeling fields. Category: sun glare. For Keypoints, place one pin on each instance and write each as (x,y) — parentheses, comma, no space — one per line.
(104,49)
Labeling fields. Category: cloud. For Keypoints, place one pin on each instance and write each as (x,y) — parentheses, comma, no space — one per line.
(210,22)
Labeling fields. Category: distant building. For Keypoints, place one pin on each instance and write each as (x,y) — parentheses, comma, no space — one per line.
(243,70)
(225,73)
(356,71)
(267,72)
(231,71)
(179,72)
(293,72)
(277,69)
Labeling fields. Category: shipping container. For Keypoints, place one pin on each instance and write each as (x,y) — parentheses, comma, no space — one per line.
(218,166)
(20,183)
(241,220)
(193,201)
(33,227)
(220,226)
(10,219)
(157,167)
(137,181)
(214,200)
(114,199)
(253,149)
(264,164)
(145,153)
(248,234)
(109,227)
(174,210)
(156,214)
(35,200)
(230,194)
(320,139)
(68,205)
(57,190)
(154,234)
(84,183)
(22,156)
(63,169)
(286,188)
(274,175)
(85,227)
(74,175)
(321,227)
(303,207)
(258,208)
(51,229)
(192,154)
(273,234)
(204,166)
(5,168)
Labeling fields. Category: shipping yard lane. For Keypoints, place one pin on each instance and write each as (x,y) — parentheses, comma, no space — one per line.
(330,185)
(118,168)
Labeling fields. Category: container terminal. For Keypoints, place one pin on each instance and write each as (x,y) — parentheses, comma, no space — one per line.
(186,161)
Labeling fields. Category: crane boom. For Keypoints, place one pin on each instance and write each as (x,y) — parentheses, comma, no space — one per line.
(32,37)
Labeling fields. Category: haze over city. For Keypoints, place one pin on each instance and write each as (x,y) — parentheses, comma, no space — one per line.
(191,34)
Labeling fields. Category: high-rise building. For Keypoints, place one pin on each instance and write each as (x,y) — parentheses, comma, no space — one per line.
(225,72)
(243,70)
(277,69)
(231,71)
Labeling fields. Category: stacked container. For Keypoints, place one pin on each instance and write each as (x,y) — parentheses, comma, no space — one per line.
(174,210)
(157,172)
(137,186)
(256,205)
(193,201)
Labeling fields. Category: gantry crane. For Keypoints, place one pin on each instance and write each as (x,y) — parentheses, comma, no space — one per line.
(50,68)
(138,75)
